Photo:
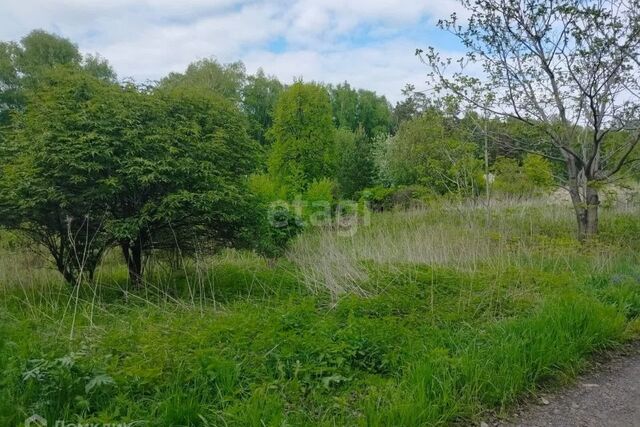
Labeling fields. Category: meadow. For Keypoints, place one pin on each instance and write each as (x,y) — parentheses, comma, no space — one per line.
(444,314)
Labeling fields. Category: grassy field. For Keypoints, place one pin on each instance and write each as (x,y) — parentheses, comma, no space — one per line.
(425,317)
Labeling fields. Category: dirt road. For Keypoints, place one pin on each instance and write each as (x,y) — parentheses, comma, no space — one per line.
(609,396)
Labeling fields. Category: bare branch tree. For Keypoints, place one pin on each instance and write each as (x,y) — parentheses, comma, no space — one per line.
(569,67)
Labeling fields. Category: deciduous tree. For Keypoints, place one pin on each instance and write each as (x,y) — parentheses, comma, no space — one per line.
(259,97)
(569,67)
(210,76)
(56,166)
(303,135)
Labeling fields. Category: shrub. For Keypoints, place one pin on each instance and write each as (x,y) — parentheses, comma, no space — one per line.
(277,230)
(383,199)
(533,178)
(266,188)
(538,171)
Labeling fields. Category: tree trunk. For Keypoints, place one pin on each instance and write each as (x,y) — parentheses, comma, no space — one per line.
(69,277)
(64,269)
(132,252)
(593,203)
(584,197)
(586,209)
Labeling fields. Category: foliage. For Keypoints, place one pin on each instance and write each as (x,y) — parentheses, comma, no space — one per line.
(538,171)
(23,64)
(267,190)
(322,190)
(303,136)
(211,77)
(318,201)
(355,163)
(143,169)
(431,151)
(360,109)
(99,67)
(411,107)
(56,167)
(259,97)
(533,178)
(568,68)
(280,224)
(281,227)
(382,199)
(180,173)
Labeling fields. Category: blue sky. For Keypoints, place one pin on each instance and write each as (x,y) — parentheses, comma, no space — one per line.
(370,43)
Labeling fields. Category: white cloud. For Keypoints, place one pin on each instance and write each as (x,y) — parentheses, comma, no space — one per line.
(146,39)
(384,68)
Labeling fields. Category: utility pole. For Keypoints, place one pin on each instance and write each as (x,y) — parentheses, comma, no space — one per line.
(487,178)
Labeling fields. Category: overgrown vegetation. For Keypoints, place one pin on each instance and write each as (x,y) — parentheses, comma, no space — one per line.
(246,252)
(447,328)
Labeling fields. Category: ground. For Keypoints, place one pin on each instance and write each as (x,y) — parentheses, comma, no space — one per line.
(607,396)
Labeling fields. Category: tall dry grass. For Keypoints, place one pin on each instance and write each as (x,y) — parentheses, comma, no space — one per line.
(463,236)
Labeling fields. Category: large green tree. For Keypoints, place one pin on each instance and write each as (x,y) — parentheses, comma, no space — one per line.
(355,169)
(303,135)
(354,109)
(91,164)
(56,166)
(181,176)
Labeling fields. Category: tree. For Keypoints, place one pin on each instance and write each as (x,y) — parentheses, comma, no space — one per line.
(355,164)
(303,134)
(23,64)
(210,76)
(373,114)
(353,109)
(55,168)
(259,97)
(569,67)
(431,150)
(413,105)
(344,103)
(99,67)
(91,164)
(533,178)
(180,178)
(39,51)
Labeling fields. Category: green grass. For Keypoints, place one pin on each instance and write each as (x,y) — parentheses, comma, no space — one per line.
(422,318)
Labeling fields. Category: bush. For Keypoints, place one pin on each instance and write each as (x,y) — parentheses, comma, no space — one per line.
(323,190)
(431,150)
(280,226)
(533,178)
(538,171)
(266,188)
(383,199)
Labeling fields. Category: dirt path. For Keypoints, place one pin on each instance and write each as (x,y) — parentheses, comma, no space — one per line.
(609,396)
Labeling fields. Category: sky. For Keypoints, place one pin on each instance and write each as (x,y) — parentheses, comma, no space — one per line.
(369,43)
